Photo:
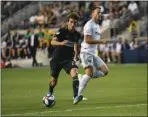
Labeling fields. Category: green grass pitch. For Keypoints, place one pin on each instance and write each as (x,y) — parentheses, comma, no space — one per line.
(122,93)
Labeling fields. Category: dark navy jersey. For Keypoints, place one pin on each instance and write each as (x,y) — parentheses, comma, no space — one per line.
(65,52)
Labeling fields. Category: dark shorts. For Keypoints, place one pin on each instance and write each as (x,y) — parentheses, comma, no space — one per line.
(56,67)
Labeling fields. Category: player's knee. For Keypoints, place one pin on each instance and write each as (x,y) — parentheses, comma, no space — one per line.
(74,72)
(89,71)
(90,74)
(105,70)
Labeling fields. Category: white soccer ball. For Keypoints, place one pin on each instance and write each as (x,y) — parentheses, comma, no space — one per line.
(49,101)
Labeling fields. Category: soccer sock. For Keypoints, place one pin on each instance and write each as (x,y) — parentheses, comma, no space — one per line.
(51,88)
(84,80)
(75,85)
(98,74)
(80,77)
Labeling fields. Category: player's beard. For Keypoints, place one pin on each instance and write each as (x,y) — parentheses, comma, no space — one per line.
(100,21)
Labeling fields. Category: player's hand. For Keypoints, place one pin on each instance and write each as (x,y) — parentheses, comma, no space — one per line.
(64,42)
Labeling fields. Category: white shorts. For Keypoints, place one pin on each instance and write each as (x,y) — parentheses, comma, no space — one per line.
(91,60)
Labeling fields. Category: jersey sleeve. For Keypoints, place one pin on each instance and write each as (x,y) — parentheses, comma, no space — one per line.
(58,35)
(87,29)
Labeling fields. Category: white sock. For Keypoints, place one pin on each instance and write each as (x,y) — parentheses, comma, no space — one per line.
(80,76)
(82,84)
(98,74)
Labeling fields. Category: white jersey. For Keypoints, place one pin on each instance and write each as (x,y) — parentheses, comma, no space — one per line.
(93,29)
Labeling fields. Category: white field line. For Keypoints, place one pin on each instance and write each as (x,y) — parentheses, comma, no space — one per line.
(78,109)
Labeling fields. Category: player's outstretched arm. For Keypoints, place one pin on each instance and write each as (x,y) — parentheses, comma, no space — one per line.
(77,51)
(54,42)
(88,39)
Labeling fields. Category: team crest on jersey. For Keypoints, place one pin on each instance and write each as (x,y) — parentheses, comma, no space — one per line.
(97,33)
(89,60)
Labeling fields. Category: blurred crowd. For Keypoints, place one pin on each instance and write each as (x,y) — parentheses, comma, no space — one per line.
(8,8)
(113,52)
(53,15)
(117,15)
(24,46)
(19,46)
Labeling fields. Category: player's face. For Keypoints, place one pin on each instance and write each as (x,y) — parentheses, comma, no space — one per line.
(97,14)
(71,24)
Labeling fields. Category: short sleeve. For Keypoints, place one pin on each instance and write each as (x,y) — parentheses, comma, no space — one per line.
(87,29)
(58,34)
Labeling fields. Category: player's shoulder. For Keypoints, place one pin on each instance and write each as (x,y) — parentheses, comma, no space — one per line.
(88,24)
(60,31)
(64,29)
(77,32)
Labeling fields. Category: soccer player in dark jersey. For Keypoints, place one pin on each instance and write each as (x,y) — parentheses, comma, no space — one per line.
(66,50)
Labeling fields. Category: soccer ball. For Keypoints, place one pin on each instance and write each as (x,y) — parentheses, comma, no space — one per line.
(49,101)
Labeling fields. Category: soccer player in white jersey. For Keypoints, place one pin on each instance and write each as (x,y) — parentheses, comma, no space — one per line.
(93,65)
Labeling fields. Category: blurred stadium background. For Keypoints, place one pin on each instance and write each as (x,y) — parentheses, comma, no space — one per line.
(126,29)
(125,23)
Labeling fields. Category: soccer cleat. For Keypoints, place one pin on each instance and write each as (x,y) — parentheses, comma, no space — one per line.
(77,99)
(84,98)
(48,94)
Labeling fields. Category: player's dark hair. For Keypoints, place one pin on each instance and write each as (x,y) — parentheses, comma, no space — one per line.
(94,8)
(73,15)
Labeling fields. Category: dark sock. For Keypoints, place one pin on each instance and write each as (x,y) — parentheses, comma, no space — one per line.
(75,85)
(51,88)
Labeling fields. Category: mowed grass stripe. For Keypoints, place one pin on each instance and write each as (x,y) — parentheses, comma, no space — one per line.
(79,109)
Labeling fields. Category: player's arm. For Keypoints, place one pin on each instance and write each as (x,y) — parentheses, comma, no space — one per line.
(76,50)
(88,39)
(54,42)
(88,32)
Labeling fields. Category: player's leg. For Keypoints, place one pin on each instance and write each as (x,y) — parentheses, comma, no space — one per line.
(85,79)
(75,82)
(87,63)
(72,69)
(52,84)
(101,68)
(55,69)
